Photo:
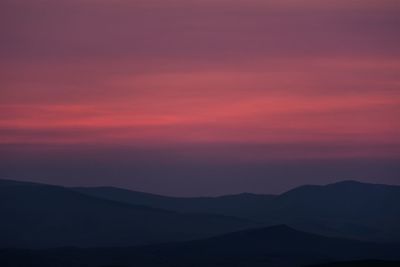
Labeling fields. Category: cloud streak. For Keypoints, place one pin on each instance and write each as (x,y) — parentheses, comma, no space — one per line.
(233,81)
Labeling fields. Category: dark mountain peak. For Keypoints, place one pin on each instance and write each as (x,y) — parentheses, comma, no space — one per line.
(303,189)
(350,183)
(367,189)
(244,195)
(112,190)
(354,183)
(342,186)
(8,182)
(250,194)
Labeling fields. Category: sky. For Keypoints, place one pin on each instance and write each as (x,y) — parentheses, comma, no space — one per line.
(206,97)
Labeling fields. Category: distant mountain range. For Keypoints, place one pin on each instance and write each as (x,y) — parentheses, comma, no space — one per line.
(40,216)
(47,225)
(272,246)
(347,209)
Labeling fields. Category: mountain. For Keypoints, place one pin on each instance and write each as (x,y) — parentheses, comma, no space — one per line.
(347,209)
(350,209)
(271,246)
(40,215)
(37,215)
(242,205)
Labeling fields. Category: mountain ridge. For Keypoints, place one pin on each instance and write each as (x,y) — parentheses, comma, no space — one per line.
(50,216)
(347,209)
(279,245)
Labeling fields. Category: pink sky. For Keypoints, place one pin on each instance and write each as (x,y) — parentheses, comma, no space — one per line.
(291,74)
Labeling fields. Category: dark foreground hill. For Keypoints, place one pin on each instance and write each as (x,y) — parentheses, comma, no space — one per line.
(272,246)
(37,215)
(347,209)
(361,263)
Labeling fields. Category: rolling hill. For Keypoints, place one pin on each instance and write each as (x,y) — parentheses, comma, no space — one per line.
(277,246)
(37,215)
(242,205)
(347,209)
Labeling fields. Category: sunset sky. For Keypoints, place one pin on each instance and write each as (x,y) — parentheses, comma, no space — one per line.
(206,97)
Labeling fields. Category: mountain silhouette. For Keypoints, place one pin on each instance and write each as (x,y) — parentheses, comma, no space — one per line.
(350,209)
(240,205)
(43,216)
(347,209)
(37,215)
(270,246)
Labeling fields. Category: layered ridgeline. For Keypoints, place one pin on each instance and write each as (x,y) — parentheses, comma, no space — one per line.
(346,209)
(272,246)
(40,216)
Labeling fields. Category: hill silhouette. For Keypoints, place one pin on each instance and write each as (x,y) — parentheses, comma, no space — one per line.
(271,246)
(43,216)
(37,215)
(241,205)
(347,209)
